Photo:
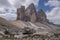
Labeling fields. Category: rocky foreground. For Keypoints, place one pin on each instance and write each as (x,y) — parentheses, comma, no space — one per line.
(17,28)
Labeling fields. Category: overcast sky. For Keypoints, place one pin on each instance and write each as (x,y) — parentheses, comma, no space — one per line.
(50,7)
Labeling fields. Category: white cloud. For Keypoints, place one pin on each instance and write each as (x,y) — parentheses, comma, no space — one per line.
(8,16)
(18,3)
(4,3)
(54,3)
(1,9)
(11,2)
(54,14)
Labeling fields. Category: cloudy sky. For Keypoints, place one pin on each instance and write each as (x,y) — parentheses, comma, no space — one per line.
(50,7)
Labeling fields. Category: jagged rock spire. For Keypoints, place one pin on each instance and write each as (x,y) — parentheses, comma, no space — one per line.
(41,13)
(31,6)
(20,13)
(41,16)
(31,12)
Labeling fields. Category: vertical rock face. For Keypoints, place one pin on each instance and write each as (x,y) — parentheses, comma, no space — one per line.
(26,18)
(31,15)
(31,12)
(20,13)
(41,16)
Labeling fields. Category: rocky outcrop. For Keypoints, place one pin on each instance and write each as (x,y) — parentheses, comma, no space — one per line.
(31,12)
(26,18)
(41,16)
(20,13)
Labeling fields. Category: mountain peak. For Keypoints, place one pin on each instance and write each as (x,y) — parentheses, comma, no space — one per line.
(31,12)
(31,6)
(41,16)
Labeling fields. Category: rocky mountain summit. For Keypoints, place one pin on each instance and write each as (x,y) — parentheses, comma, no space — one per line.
(41,16)
(29,17)
(30,14)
